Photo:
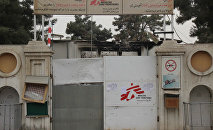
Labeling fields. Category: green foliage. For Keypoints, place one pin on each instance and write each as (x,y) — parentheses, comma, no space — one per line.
(136,27)
(200,11)
(81,29)
(15,21)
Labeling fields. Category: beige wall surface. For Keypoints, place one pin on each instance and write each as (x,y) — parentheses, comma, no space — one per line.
(17,62)
(190,78)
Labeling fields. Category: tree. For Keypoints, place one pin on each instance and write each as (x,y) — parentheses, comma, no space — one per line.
(136,27)
(200,11)
(15,21)
(81,29)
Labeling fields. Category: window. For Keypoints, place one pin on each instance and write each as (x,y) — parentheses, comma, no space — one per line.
(37,109)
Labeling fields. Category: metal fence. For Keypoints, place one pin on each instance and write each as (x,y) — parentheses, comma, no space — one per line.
(10,116)
(198,116)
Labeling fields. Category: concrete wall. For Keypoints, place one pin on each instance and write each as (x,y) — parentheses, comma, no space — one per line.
(60,50)
(39,54)
(14,80)
(27,55)
(173,119)
(168,118)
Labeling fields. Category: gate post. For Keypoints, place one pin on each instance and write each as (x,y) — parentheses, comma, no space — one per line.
(38,70)
(170,107)
(181,68)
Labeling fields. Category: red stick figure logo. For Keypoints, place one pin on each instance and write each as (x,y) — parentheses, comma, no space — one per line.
(170,65)
(96,2)
(128,97)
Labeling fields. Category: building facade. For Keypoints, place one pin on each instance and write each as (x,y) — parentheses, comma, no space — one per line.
(172,90)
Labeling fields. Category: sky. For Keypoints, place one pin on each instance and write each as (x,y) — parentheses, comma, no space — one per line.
(106,21)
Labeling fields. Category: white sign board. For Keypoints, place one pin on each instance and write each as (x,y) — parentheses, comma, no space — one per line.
(60,6)
(104,7)
(130,92)
(110,7)
(148,6)
(171,72)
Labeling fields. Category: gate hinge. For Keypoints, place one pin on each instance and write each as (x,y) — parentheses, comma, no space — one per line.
(51,119)
(51,76)
(158,118)
(157,76)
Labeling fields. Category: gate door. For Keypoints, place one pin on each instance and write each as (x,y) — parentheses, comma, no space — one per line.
(78,107)
(10,109)
(201,108)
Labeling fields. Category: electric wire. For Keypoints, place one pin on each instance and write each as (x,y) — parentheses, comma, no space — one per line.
(176,31)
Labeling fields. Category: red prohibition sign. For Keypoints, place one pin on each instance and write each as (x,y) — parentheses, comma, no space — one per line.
(170,65)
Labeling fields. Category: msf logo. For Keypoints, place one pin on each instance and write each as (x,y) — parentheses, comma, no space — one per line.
(130,92)
(96,2)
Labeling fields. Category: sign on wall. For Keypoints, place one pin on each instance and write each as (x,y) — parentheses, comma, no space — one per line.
(111,7)
(139,93)
(171,72)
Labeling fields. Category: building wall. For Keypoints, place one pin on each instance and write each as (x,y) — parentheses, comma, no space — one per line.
(33,59)
(16,79)
(173,118)
(168,118)
(37,53)
(60,50)
(71,49)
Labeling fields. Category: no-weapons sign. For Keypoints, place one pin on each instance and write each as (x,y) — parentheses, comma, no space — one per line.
(171,71)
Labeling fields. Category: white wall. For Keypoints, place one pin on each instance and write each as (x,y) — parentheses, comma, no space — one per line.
(71,71)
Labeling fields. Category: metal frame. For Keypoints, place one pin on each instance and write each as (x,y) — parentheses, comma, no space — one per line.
(188,115)
(33,100)
(35,35)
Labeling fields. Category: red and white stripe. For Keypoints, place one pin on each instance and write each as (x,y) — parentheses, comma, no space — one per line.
(49,34)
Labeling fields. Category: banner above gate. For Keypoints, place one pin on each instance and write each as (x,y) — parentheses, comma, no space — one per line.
(103,7)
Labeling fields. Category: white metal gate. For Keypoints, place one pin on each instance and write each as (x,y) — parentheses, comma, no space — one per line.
(78,94)
(79,104)
(130,93)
